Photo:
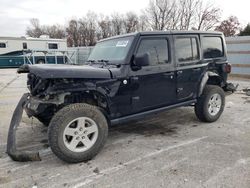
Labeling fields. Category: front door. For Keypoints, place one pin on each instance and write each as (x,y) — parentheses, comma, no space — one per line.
(153,85)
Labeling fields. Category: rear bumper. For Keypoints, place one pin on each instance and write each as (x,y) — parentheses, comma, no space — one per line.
(230,87)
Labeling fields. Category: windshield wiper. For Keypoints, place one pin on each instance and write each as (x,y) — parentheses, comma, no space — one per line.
(103,60)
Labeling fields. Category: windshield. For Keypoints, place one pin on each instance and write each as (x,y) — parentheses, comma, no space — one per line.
(113,49)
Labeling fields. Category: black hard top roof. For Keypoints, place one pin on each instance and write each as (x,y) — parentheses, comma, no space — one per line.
(179,32)
(173,32)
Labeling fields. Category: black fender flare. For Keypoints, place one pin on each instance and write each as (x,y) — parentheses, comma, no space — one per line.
(205,79)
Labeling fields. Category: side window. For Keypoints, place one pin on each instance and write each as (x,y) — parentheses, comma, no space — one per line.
(2,45)
(186,49)
(25,45)
(53,46)
(212,47)
(157,49)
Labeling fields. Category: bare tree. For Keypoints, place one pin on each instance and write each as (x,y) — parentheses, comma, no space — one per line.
(143,23)
(181,15)
(159,13)
(73,34)
(245,31)
(229,26)
(83,31)
(117,24)
(187,10)
(105,30)
(91,27)
(131,22)
(35,29)
(174,22)
(207,16)
(54,31)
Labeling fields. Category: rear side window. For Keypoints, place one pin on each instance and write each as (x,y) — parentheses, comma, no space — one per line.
(53,46)
(2,45)
(25,45)
(212,47)
(186,49)
(157,49)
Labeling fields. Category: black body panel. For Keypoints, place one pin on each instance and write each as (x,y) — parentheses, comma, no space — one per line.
(68,71)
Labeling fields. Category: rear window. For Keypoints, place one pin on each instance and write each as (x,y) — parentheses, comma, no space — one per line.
(2,45)
(53,46)
(212,47)
(187,49)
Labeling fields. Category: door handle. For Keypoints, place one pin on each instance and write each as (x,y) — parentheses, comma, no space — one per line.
(169,74)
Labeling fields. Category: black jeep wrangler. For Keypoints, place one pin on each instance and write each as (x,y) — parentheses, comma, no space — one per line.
(126,78)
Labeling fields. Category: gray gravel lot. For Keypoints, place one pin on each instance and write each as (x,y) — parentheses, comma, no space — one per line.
(171,149)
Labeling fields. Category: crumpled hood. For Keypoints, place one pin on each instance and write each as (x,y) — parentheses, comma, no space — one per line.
(65,71)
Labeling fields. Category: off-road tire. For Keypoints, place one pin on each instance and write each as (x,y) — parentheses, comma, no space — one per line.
(201,107)
(60,121)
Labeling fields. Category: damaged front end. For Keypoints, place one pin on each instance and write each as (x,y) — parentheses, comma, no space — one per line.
(50,93)
(33,106)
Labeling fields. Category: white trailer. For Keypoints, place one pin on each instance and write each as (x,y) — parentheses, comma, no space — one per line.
(15,51)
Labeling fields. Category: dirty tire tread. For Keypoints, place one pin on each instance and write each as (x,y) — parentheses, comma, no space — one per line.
(56,126)
(201,105)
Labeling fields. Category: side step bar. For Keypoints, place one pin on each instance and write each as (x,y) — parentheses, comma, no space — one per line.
(150,112)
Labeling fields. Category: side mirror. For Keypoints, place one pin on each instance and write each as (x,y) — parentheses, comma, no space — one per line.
(142,60)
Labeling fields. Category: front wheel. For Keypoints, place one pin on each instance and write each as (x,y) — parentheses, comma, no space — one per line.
(210,104)
(77,132)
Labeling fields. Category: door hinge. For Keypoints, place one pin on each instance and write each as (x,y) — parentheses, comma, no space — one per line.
(179,90)
(179,72)
(134,79)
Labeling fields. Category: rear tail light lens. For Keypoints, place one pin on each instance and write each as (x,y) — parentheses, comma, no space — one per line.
(227,68)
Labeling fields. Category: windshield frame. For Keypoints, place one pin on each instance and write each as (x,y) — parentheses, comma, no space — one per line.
(127,56)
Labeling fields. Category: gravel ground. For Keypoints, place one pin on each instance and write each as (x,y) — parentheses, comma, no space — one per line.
(172,149)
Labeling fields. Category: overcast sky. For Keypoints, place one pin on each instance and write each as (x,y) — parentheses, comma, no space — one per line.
(15,14)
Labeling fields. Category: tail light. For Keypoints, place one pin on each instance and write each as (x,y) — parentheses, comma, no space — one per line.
(227,68)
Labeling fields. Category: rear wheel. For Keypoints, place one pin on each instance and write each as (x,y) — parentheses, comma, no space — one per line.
(77,132)
(210,105)
(40,61)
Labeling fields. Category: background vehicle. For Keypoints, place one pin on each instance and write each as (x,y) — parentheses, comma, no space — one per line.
(18,51)
(128,77)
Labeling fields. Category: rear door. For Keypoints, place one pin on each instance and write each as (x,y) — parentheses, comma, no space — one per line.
(188,66)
